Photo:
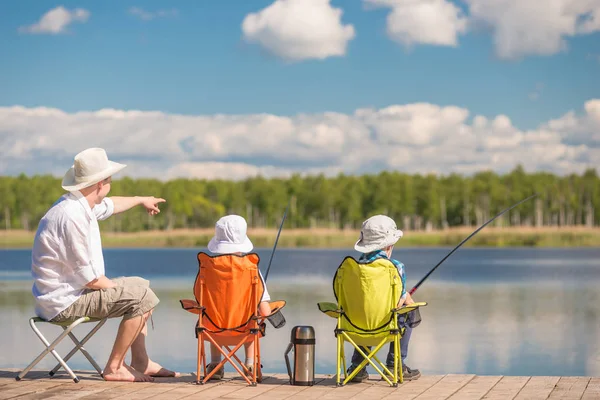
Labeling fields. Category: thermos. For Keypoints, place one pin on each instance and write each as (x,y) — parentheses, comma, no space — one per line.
(303,344)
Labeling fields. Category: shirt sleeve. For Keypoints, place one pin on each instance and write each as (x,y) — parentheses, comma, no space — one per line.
(265,296)
(104,209)
(403,278)
(77,258)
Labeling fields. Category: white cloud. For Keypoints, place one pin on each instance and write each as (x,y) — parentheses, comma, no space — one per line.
(150,15)
(298,30)
(418,137)
(56,21)
(433,22)
(525,27)
(519,27)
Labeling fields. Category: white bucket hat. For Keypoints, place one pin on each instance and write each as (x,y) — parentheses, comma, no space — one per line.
(230,236)
(377,233)
(91,166)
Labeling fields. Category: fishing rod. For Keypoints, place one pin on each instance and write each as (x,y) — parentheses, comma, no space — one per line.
(276,240)
(414,289)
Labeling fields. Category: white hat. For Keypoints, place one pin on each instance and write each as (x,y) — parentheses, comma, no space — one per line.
(230,236)
(91,166)
(377,233)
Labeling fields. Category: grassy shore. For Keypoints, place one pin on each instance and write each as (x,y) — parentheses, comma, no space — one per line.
(334,238)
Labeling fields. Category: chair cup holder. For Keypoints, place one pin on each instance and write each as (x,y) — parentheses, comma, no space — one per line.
(277,319)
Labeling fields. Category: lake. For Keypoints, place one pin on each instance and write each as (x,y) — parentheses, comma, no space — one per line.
(491,311)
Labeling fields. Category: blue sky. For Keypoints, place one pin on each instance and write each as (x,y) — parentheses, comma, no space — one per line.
(195,60)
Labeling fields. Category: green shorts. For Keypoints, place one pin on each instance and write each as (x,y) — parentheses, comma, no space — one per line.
(131,297)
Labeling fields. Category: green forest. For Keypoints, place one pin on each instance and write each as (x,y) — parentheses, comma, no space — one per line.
(416,202)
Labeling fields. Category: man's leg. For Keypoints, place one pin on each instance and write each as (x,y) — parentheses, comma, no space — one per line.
(139,356)
(137,287)
(116,369)
(131,299)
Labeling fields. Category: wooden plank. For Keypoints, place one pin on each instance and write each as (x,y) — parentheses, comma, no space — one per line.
(261,390)
(476,388)
(507,388)
(538,387)
(570,388)
(184,390)
(330,391)
(61,391)
(217,391)
(146,392)
(407,390)
(89,390)
(26,388)
(317,391)
(117,389)
(287,391)
(446,387)
(592,391)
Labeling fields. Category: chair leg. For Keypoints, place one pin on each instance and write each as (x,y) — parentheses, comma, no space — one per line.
(200,359)
(339,355)
(398,361)
(367,359)
(257,356)
(228,358)
(50,349)
(79,346)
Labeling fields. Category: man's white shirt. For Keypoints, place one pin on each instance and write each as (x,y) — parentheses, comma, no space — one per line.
(67,252)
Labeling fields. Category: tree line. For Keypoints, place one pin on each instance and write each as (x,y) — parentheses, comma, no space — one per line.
(416,202)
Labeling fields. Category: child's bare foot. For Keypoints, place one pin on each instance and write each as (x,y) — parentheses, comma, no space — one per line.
(126,374)
(156,370)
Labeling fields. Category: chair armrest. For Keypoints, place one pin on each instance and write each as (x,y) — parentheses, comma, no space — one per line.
(191,306)
(331,309)
(276,306)
(408,308)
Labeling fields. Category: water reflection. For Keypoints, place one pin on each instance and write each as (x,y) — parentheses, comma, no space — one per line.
(489,328)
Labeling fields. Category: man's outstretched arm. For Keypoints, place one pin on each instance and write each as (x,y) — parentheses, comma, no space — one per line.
(150,203)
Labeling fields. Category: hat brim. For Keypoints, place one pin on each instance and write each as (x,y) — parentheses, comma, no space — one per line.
(70,183)
(363,247)
(216,247)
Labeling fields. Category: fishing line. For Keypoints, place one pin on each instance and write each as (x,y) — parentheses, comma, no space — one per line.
(277,240)
(414,289)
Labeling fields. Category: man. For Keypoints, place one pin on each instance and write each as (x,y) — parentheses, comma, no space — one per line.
(378,236)
(68,266)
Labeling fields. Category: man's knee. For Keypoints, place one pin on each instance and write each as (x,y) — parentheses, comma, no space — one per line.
(144,302)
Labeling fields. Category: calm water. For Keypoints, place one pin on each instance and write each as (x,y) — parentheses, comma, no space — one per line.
(508,311)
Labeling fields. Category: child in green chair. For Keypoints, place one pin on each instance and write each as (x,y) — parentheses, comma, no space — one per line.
(377,238)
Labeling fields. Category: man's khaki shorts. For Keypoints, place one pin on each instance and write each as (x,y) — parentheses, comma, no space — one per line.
(131,297)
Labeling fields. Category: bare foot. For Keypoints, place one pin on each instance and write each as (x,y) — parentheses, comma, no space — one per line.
(156,370)
(126,374)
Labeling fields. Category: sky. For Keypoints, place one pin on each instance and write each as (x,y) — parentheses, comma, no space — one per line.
(231,89)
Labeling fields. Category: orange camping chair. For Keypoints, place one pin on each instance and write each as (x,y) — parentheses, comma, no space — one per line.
(228,290)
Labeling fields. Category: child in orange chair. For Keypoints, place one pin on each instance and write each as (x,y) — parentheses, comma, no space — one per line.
(231,238)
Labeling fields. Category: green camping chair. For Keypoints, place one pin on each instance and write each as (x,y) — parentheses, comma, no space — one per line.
(367,295)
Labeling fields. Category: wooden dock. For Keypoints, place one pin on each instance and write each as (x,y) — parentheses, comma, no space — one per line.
(38,385)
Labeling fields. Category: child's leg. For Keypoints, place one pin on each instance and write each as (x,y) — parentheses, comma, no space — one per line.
(249,348)
(357,358)
(215,354)
(403,343)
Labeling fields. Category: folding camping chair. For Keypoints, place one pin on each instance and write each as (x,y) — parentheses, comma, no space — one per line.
(228,290)
(50,347)
(367,296)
